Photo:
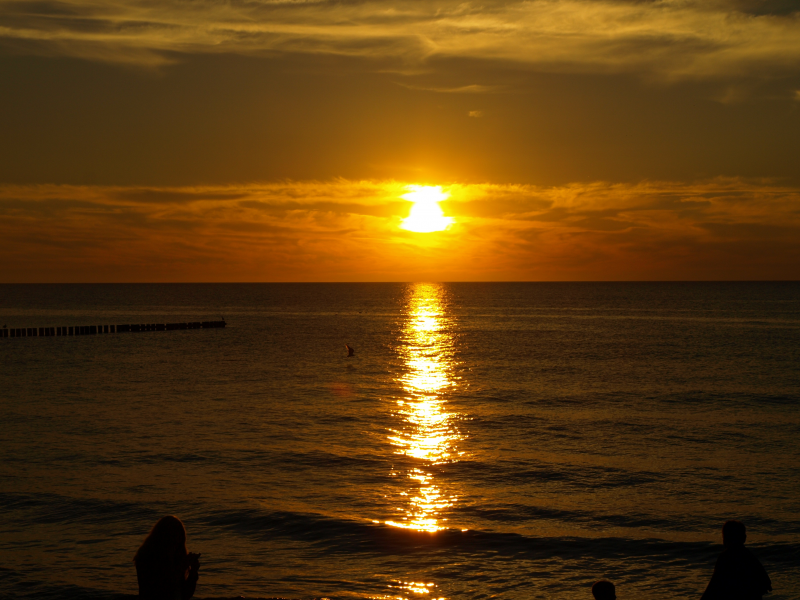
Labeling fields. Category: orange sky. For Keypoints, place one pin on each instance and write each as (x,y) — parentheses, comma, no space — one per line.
(345,230)
(272,140)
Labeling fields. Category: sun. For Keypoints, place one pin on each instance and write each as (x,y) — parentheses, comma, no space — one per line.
(426,214)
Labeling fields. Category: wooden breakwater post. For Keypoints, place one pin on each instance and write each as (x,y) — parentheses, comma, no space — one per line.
(103,329)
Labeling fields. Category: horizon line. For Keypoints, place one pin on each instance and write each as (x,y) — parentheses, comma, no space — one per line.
(401,282)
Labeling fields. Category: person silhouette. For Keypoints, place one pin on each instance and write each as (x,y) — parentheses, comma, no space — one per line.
(604,590)
(164,569)
(737,575)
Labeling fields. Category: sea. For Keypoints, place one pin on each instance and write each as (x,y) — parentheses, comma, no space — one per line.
(485,440)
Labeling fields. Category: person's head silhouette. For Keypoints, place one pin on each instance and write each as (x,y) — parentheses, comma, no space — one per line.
(604,590)
(164,569)
(166,539)
(734,534)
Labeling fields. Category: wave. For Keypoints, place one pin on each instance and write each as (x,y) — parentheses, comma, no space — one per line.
(16,586)
(511,513)
(582,476)
(45,508)
(336,535)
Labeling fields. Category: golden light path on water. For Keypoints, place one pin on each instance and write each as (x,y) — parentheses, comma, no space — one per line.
(428,432)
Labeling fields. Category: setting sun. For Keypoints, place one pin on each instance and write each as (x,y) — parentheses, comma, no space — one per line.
(426,214)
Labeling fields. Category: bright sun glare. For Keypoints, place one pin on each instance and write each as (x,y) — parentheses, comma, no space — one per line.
(426,214)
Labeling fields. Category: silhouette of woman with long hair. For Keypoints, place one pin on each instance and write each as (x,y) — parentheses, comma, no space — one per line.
(165,570)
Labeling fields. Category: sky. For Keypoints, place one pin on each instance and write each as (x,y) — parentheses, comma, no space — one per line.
(264,140)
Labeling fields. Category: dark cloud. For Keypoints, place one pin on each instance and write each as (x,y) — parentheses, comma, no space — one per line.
(766,7)
(388,209)
(172,196)
(48,207)
(752,231)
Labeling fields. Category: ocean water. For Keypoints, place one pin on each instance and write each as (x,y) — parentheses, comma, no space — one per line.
(485,441)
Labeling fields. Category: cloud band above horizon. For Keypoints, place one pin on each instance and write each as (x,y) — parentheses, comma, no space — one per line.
(341,230)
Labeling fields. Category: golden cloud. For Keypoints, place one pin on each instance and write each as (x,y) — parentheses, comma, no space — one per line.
(349,231)
(667,39)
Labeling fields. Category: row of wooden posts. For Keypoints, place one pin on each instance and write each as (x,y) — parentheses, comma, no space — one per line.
(100,329)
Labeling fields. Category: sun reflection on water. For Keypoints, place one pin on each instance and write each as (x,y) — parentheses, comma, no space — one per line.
(428,431)
(413,587)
